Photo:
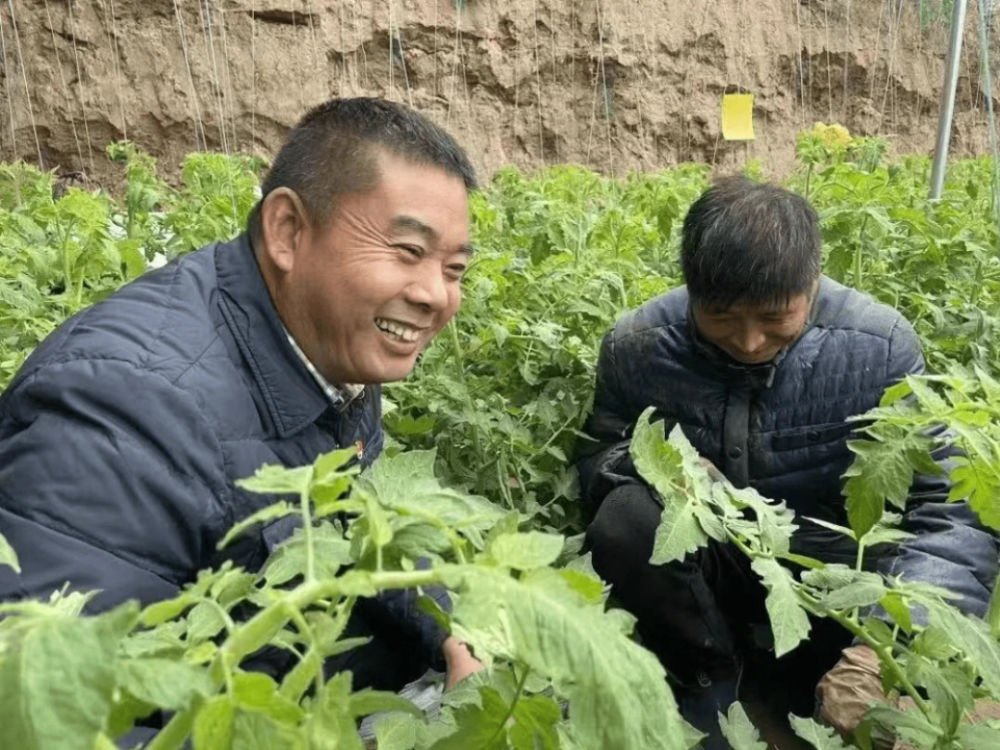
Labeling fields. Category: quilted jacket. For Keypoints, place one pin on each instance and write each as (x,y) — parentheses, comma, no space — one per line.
(780,427)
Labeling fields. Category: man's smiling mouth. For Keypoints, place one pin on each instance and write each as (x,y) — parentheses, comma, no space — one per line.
(397,331)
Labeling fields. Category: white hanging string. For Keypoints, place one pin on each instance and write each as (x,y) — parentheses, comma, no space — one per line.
(206,21)
(200,141)
(62,82)
(231,95)
(538,87)
(207,34)
(253,59)
(79,84)
(24,77)
(112,31)
(10,94)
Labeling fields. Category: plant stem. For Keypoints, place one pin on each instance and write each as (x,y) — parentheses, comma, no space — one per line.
(307,532)
(510,711)
(993,614)
(460,361)
(174,734)
(884,651)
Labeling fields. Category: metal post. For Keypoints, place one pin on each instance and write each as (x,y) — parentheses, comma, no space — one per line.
(951,66)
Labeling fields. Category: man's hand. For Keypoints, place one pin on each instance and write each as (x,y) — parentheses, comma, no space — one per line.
(845,691)
(459,661)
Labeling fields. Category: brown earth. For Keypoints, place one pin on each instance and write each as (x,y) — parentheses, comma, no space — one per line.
(617,86)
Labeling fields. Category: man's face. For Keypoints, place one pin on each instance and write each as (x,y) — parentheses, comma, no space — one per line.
(754,334)
(371,289)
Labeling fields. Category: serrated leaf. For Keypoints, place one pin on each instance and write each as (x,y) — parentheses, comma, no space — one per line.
(617,691)
(831,577)
(278,480)
(789,622)
(164,683)
(479,726)
(396,732)
(895,606)
(253,730)
(406,483)
(526,551)
(979,736)
(330,725)
(661,463)
(535,720)
(331,552)
(907,725)
(213,726)
(270,513)
(879,473)
(948,688)
(739,730)
(973,637)
(866,591)
(57,678)
(7,555)
(204,621)
(817,735)
(368,701)
(977,481)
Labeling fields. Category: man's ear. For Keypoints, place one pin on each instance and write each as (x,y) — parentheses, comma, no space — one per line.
(284,226)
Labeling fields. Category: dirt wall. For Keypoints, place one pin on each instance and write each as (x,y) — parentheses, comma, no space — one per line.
(618,86)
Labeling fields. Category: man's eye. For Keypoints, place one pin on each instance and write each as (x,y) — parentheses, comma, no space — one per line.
(416,252)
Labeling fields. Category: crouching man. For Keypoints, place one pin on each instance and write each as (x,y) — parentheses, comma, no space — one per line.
(760,359)
(123,435)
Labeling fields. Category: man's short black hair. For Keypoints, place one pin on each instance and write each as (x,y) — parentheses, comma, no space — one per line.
(333,150)
(749,242)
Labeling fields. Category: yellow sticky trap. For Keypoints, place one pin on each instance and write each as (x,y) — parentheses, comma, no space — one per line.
(737,117)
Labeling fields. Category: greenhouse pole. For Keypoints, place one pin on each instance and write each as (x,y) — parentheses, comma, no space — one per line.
(951,66)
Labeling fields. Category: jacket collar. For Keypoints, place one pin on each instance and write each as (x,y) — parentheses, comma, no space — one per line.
(293,398)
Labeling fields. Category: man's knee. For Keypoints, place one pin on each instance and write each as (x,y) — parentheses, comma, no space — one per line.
(625,525)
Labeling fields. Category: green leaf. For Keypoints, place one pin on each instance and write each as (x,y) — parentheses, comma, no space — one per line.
(406,483)
(895,606)
(270,513)
(331,724)
(204,621)
(739,730)
(368,701)
(948,687)
(979,736)
(907,725)
(213,726)
(617,691)
(7,555)
(164,683)
(661,463)
(832,577)
(866,591)
(278,480)
(535,720)
(396,732)
(973,637)
(879,473)
(789,621)
(332,552)
(259,692)
(526,551)
(57,677)
(479,726)
(257,731)
(817,735)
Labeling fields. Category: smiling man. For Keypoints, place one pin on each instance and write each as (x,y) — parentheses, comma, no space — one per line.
(123,435)
(761,360)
